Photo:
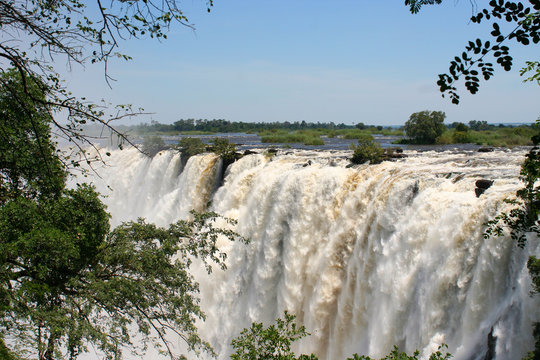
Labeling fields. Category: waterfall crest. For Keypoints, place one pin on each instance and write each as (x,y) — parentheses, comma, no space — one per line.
(367,257)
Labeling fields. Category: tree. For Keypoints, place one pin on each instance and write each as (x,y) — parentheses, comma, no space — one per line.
(66,280)
(425,126)
(479,125)
(73,31)
(361,126)
(477,59)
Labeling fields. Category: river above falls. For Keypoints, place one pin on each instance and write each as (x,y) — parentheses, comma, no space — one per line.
(253,141)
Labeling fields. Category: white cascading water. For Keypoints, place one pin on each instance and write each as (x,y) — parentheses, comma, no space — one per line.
(367,257)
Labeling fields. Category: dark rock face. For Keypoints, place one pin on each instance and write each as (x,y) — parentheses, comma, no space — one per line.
(394,153)
(479,192)
(484,184)
(413,191)
(397,156)
(249,152)
(485,149)
(481,186)
(491,343)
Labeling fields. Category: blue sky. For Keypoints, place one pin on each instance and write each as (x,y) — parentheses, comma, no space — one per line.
(342,61)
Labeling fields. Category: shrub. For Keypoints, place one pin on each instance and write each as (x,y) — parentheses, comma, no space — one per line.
(274,342)
(460,137)
(189,147)
(313,141)
(444,139)
(367,150)
(306,138)
(225,149)
(360,135)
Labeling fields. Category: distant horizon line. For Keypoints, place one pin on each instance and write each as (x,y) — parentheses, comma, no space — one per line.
(318,122)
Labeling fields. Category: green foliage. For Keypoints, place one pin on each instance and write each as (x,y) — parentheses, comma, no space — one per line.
(196,132)
(415,5)
(395,354)
(5,354)
(189,147)
(479,125)
(225,149)
(532,67)
(523,220)
(264,129)
(376,130)
(306,137)
(274,343)
(28,164)
(477,59)
(461,127)
(152,145)
(461,137)
(46,245)
(66,280)
(535,354)
(496,136)
(533,264)
(425,126)
(367,150)
(77,284)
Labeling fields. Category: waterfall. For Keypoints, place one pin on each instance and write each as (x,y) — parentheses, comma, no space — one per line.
(367,257)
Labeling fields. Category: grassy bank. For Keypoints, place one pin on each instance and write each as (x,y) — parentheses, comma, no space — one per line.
(362,134)
(313,136)
(501,137)
(279,136)
(506,137)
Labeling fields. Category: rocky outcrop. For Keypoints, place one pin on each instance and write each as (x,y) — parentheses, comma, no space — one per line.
(485,149)
(394,153)
(481,186)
